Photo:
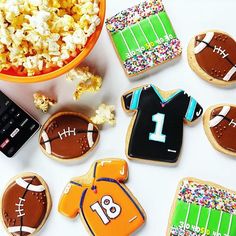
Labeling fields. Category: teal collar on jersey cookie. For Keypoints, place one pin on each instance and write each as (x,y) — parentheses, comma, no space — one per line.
(166,100)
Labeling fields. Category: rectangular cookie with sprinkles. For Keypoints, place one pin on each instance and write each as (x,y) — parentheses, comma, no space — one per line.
(143,37)
(202,209)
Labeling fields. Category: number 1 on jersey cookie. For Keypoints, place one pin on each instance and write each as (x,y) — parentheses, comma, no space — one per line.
(105,204)
(157,126)
(159,119)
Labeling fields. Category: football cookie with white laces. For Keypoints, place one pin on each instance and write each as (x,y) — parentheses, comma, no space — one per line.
(25,205)
(68,136)
(212,55)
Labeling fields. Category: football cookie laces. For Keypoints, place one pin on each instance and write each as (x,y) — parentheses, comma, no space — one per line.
(20,209)
(67,133)
(220,51)
(232,123)
(20,205)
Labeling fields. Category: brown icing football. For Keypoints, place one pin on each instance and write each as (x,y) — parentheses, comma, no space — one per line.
(215,55)
(220,127)
(68,136)
(26,204)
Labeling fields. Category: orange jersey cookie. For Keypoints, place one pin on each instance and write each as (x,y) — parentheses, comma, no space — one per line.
(105,204)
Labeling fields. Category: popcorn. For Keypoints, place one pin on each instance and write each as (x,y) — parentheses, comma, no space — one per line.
(39,34)
(42,102)
(88,82)
(104,114)
(38,22)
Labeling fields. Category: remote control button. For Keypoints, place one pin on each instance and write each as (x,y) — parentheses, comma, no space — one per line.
(32,127)
(5,117)
(12,121)
(5,128)
(4,143)
(14,133)
(18,115)
(12,110)
(11,151)
(8,103)
(24,122)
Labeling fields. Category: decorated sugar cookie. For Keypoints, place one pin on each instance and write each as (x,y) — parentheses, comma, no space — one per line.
(212,55)
(105,204)
(68,136)
(202,209)
(156,130)
(25,205)
(143,37)
(220,127)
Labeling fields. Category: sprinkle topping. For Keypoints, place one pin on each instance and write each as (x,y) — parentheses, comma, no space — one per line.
(208,196)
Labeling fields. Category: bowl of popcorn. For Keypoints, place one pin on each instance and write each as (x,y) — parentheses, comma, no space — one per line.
(43,39)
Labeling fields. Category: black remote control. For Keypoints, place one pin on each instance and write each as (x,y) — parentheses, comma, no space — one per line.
(16,126)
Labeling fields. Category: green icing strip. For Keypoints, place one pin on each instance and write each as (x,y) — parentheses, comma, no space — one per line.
(203,220)
(129,39)
(148,33)
(120,46)
(155,20)
(166,21)
(149,30)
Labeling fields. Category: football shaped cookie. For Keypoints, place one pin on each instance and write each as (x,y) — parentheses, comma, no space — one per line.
(220,127)
(25,205)
(68,136)
(212,55)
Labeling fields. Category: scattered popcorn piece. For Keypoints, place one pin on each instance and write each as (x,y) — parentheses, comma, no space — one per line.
(43,102)
(39,34)
(104,114)
(87,82)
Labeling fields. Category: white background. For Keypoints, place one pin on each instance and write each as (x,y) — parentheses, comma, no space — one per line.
(153,185)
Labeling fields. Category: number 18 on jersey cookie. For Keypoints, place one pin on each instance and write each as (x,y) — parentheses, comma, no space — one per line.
(105,204)
(156,131)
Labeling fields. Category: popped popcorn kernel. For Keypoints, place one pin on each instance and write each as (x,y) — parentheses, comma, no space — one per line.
(40,34)
(42,102)
(104,114)
(87,82)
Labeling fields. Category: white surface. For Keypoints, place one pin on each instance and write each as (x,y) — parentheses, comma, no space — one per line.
(153,185)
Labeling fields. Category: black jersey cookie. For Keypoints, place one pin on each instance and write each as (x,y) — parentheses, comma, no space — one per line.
(156,130)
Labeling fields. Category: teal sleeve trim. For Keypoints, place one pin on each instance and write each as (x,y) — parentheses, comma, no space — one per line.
(135,99)
(191,109)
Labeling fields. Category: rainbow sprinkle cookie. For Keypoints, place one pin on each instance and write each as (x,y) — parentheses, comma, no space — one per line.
(203,209)
(143,37)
